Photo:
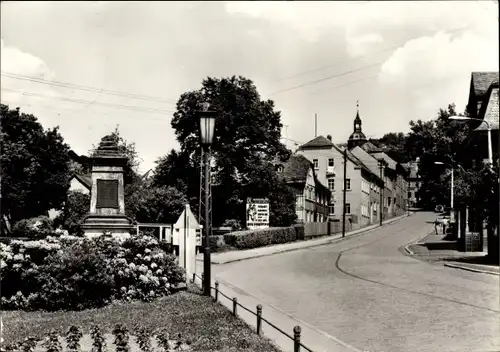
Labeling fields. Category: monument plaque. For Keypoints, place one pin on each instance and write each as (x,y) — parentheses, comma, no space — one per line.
(107,194)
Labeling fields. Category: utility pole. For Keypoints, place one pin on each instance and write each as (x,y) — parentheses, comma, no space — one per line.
(381,205)
(344,192)
(315,125)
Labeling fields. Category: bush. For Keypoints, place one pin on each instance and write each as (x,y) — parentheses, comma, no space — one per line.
(76,207)
(234,224)
(38,227)
(260,238)
(77,273)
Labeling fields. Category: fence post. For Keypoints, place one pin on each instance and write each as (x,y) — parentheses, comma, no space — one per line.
(202,280)
(194,278)
(235,305)
(296,338)
(216,290)
(259,319)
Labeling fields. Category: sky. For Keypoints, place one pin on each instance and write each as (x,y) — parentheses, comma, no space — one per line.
(91,66)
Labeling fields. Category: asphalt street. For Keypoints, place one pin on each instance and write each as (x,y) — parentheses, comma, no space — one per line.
(365,292)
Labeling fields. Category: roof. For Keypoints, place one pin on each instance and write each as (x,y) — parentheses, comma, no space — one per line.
(84,180)
(296,168)
(319,141)
(489,111)
(371,148)
(482,81)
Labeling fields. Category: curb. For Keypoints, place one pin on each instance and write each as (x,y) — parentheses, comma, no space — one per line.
(458,266)
(408,250)
(329,241)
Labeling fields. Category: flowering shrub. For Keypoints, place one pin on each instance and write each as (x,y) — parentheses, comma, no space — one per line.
(77,273)
(38,227)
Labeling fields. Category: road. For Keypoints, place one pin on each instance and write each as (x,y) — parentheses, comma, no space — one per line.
(365,292)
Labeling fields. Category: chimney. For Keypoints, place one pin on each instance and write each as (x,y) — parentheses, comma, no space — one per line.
(329,137)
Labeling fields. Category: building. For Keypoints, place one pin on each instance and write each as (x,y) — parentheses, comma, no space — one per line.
(482,105)
(312,197)
(328,162)
(394,175)
(414,183)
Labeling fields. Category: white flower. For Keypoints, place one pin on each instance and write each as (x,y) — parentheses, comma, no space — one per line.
(143,278)
(158,272)
(147,258)
(153,266)
(132,266)
(147,251)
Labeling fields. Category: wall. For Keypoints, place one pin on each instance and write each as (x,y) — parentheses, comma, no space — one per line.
(107,173)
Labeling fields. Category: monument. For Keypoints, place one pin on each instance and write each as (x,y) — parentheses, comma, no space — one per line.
(107,199)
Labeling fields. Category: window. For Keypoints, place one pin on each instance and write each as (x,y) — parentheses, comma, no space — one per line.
(331,184)
(347,208)
(409,195)
(316,164)
(331,162)
(348,183)
(332,209)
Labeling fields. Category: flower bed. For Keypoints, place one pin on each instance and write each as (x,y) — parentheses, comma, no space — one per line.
(76,273)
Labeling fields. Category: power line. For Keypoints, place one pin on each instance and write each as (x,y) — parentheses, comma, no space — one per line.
(360,57)
(86,88)
(80,101)
(328,77)
(349,71)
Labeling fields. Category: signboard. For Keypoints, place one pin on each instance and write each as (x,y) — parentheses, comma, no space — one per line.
(257,213)
(107,193)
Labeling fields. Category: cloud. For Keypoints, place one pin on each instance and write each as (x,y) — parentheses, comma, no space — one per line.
(359,45)
(18,62)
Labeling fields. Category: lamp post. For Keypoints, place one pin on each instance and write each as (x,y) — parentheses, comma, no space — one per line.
(207,126)
(490,149)
(452,182)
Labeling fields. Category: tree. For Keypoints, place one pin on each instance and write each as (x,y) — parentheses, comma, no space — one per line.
(439,140)
(154,204)
(75,208)
(393,145)
(247,136)
(130,174)
(34,164)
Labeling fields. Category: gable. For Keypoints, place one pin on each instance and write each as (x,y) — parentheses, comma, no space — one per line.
(489,111)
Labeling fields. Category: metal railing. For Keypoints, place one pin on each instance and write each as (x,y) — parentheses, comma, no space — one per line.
(260,319)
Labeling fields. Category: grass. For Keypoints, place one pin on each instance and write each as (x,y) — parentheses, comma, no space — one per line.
(202,323)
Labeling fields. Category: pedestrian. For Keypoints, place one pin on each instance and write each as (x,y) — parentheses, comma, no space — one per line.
(436,224)
(445,225)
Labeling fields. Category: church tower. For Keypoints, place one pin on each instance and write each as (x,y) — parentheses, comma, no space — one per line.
(357,137)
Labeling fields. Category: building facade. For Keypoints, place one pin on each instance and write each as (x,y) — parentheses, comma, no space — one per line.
(311,196)
(328,163)
(414,183)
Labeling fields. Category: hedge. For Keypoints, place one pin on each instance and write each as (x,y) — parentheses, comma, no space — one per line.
(265,237)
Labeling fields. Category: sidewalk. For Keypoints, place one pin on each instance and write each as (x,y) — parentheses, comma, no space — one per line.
(311,337)
(234,256)
(436,249)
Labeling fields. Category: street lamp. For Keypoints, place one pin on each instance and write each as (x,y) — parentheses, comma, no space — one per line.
(207,127)
(490,150)
(452,183)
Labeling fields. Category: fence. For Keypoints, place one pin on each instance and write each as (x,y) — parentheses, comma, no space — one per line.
(258,314)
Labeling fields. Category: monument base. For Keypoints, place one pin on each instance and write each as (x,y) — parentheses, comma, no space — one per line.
(117,226)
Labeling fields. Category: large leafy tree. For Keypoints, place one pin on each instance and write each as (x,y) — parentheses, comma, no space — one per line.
(438,140)
(34,165)
(393,144)
(247,139)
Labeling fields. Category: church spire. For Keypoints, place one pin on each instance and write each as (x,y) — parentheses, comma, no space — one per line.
(357,120)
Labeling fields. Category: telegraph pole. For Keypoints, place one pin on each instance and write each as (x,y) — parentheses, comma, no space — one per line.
(344,192)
